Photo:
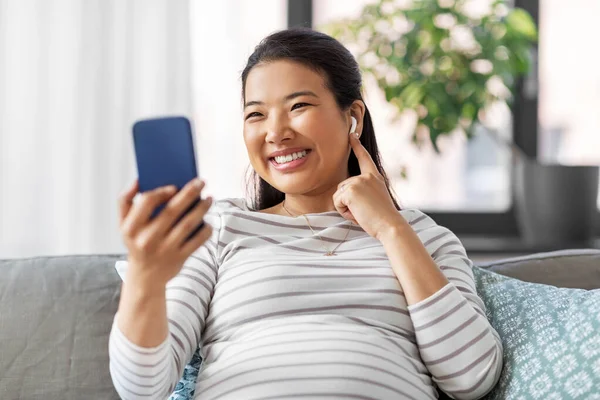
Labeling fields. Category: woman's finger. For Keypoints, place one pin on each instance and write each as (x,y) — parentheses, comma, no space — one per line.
(342,198)
(197,240)
(140,213)
(179,204)
(346,182)
(342,207)
(339,201)
(365,162)
(188,224)
(126,200)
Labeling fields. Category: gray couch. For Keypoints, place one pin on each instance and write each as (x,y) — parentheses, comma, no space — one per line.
(56,313)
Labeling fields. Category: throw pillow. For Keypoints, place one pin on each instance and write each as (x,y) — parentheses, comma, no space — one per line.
(551,338)
(186,387)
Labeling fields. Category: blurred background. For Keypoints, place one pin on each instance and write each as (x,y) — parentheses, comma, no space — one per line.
(76,74)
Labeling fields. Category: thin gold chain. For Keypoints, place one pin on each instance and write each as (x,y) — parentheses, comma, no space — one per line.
(328,252)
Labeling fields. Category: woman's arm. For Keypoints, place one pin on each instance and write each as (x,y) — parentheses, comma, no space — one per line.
(418,274)
(155,335)
(458,345)
(157,327)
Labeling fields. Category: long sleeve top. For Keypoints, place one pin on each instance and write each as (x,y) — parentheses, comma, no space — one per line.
(275,318)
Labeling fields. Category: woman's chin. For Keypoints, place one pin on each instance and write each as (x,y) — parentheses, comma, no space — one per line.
(292,184)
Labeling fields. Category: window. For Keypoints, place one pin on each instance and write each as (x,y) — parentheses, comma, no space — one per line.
(569,83)
(472,188)
(469,176)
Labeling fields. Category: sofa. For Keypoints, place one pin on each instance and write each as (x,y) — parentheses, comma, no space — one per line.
(56,314)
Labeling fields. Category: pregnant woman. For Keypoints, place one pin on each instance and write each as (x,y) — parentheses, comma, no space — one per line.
(319,286)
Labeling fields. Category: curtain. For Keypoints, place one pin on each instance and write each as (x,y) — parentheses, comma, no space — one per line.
(74,76)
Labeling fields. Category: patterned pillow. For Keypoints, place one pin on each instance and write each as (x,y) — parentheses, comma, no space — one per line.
(187,384)
(551,338)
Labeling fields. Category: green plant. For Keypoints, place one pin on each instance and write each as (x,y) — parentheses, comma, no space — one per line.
(440,59)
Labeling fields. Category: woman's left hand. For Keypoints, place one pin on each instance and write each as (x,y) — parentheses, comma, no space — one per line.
(364,199)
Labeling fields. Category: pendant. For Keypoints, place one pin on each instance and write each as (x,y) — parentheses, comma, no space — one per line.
(330,253)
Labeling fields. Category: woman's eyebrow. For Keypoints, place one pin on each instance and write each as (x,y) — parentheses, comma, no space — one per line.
(300,93)
(286,98)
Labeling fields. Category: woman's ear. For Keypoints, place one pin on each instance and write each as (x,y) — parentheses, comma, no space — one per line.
(357,112)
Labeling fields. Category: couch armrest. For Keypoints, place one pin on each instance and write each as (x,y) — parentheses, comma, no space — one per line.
(565,268)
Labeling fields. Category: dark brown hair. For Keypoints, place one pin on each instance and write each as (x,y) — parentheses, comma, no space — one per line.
(341,72)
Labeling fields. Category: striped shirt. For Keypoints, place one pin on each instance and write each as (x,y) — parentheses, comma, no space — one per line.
(276,319)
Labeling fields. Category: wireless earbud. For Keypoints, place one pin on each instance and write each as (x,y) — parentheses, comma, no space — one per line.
(353,126)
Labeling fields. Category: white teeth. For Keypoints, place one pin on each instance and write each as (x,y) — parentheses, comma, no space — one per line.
(290,157)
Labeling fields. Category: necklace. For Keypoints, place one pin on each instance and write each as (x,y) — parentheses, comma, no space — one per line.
(327,251)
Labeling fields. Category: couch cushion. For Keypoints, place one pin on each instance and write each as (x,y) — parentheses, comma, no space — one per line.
(551,338)
(55,316)
(566,268)
(56,313)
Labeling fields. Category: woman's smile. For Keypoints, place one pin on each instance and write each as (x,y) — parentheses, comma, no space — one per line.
(290,160)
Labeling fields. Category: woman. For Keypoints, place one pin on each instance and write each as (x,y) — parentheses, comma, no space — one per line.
(323,288)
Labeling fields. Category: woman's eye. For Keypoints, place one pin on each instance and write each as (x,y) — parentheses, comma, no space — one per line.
(253,114)
(299,105)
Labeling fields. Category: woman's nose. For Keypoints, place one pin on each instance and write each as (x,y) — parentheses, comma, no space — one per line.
(278,129)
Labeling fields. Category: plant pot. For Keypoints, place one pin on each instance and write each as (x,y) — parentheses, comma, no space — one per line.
(555,204)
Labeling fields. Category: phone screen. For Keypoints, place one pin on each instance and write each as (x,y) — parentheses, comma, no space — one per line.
(164,149)
(165,155)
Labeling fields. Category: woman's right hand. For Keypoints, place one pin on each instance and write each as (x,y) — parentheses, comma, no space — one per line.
(158,247)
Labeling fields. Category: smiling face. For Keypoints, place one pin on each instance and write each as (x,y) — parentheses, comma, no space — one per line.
(295,133)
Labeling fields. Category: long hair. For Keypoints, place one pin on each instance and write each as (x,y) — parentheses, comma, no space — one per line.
(342,76)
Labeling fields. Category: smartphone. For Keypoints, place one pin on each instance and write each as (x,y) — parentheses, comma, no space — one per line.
(164,152)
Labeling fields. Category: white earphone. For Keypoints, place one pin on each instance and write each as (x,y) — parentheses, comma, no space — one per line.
(353,126)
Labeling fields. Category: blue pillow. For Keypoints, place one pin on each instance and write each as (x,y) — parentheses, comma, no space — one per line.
(187,384)
(551,338)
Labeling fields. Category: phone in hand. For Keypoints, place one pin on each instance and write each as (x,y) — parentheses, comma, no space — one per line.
(165,155)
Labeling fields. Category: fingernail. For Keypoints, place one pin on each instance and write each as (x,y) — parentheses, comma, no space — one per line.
(197,183)
(356,135)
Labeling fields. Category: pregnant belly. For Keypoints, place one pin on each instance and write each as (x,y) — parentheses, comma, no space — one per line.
(324,362)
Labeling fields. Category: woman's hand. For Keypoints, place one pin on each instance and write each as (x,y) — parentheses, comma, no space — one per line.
(158,247)
(364,199)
